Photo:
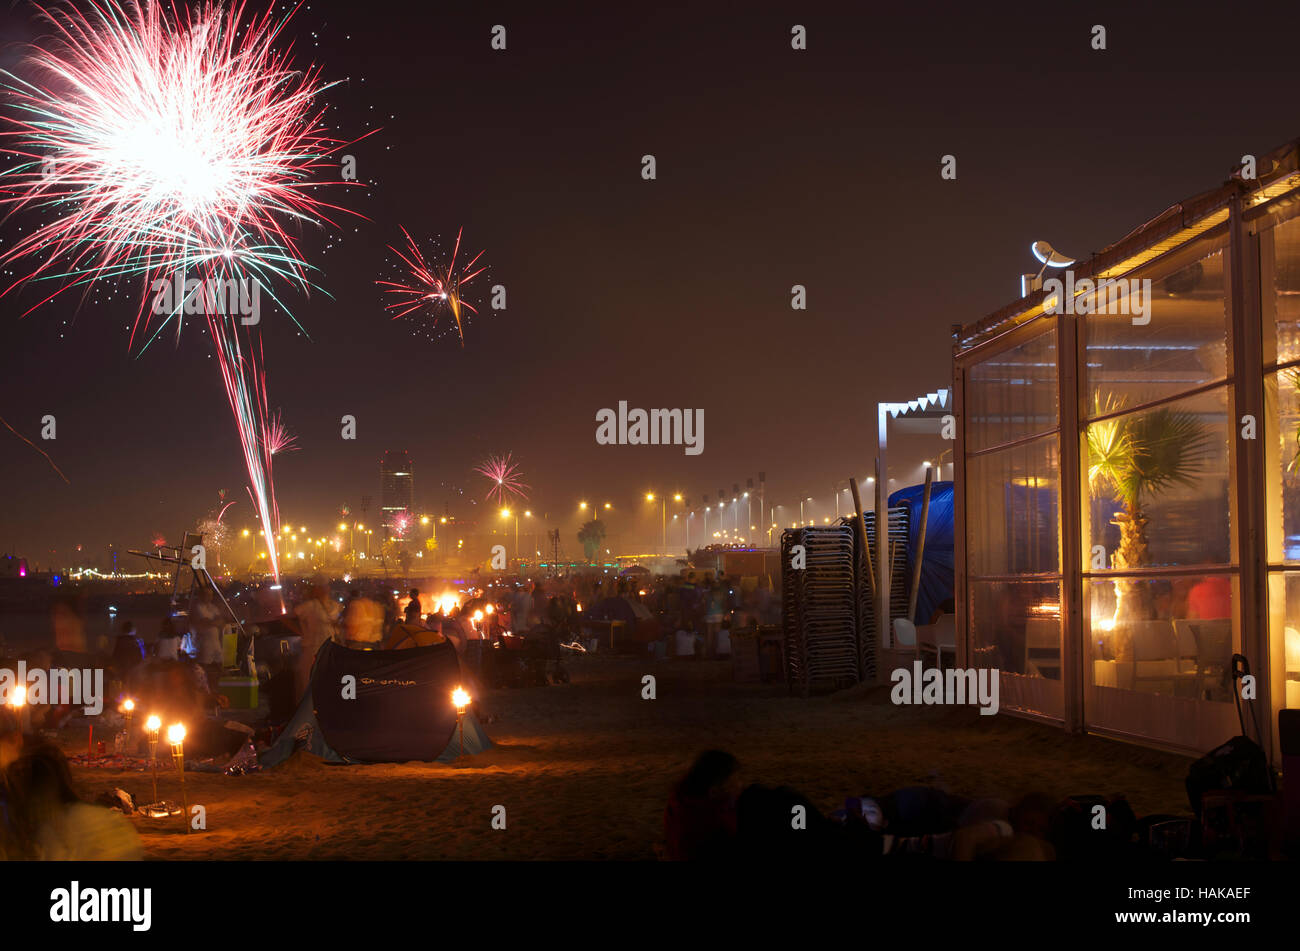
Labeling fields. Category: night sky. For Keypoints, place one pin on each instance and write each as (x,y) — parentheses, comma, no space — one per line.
(775,167)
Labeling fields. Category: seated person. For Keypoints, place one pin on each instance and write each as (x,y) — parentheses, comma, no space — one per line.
(48,821)
(700,819)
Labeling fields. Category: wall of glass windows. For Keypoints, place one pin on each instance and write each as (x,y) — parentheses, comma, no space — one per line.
(1129,478)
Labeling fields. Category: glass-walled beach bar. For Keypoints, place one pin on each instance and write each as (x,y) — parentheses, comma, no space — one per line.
(1128,472)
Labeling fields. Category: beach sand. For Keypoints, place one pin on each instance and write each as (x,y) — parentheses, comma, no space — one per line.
(584,770)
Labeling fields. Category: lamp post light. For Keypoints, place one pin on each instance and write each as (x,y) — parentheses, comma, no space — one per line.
(663,517)
(505,513)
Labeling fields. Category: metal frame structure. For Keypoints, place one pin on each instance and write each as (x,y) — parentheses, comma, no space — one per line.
(1235,219)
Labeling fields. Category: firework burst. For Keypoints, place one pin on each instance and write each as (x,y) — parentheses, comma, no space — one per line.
(160,142)
(427,291)
(156,141)
(504,475)
(278,437)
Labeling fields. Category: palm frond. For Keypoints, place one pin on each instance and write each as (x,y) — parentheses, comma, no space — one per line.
(1145,454)
(1170,447)
(1110,448)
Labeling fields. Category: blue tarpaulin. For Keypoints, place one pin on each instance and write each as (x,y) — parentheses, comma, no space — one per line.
(937,583)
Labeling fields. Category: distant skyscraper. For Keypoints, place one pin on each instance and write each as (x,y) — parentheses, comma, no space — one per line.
(397,486)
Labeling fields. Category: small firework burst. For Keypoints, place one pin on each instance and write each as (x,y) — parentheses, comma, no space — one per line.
(505,478)
(425,291)
(401,524)
(278,437)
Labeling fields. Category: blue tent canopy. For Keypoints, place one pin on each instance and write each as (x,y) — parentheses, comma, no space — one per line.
(937,584)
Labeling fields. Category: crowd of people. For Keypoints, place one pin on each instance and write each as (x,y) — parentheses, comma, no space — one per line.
(713,816)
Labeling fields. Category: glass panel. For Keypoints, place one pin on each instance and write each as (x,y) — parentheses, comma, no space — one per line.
(1282,459)
(1158,485)
(1173,636)
(1012,395)
(1013,498)
(1016,627)
(1282,339)
(1284,636)
(1183,345)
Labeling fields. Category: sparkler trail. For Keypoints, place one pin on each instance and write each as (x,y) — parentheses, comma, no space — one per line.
(428,290)
(156,140)
(505,476)
(37,448)
(245,384)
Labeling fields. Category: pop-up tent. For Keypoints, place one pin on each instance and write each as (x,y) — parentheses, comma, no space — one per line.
(396,708)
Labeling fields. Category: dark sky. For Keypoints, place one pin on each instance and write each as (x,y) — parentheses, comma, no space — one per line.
(775,168)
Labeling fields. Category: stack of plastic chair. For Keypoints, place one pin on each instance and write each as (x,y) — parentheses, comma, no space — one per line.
(819,605)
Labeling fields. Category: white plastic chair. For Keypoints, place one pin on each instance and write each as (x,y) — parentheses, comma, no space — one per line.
(904,633)
(939,637)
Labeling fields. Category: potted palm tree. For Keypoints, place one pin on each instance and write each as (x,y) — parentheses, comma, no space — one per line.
(1136,458)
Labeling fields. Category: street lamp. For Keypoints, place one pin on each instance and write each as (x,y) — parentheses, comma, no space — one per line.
(663,516)
(505,513)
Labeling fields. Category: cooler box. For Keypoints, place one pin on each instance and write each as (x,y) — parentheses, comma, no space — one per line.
(240,691)
(229,647)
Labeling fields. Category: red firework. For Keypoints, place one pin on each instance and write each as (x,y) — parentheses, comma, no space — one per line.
(278,438)
(427,290)
(504,475)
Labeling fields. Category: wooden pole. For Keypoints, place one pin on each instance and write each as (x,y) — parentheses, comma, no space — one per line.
(862,529)
(920,545)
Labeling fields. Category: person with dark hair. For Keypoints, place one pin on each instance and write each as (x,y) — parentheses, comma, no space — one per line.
(47,820)
(128,652)
(413,610)
(167,646)
(700,820)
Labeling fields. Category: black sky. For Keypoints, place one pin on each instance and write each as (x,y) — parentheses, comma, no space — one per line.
(775,168)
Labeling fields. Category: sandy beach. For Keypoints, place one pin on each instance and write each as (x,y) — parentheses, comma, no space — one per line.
(584,770)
